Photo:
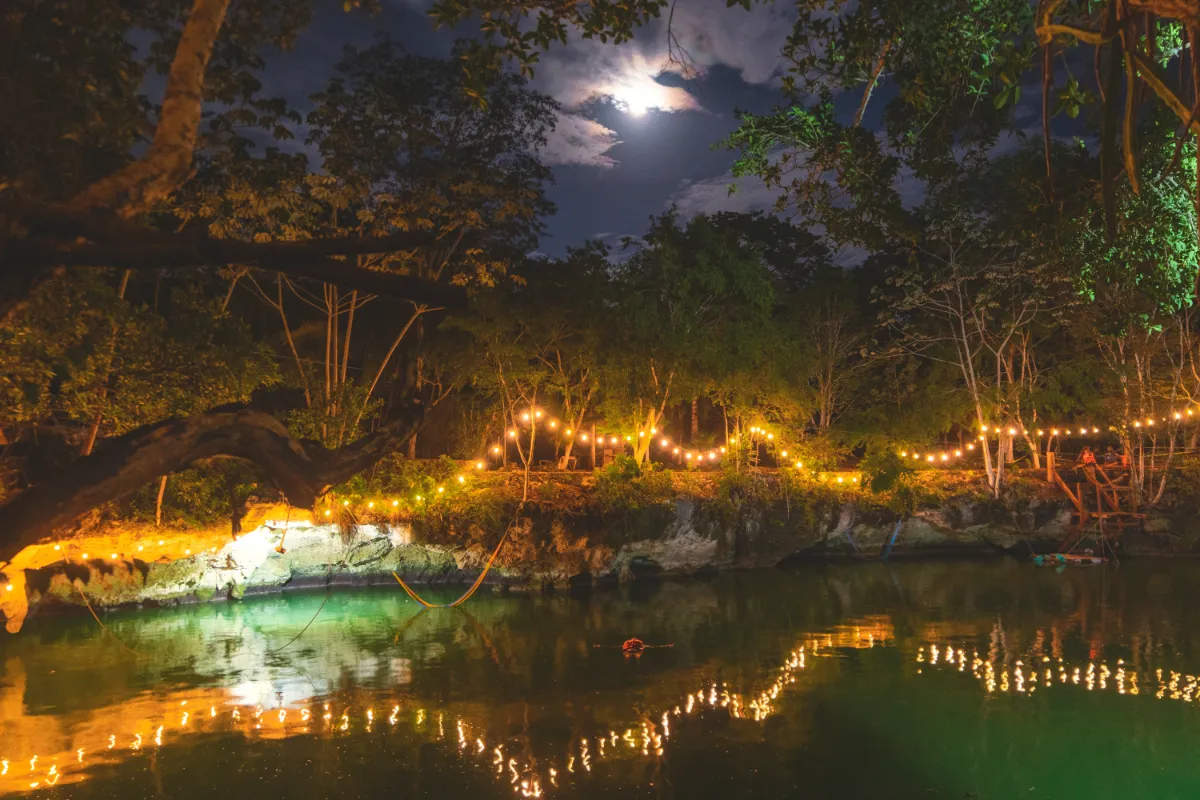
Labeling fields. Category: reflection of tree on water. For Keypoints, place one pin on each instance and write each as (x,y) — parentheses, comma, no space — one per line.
(521,674)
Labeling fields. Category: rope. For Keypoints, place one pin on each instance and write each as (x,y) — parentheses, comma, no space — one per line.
(328,594)
(478,581)
(466,595)
(104,627)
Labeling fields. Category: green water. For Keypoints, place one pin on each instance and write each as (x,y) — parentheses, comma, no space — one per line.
(532,696)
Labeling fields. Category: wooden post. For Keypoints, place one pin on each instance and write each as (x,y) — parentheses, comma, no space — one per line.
(593,440)
(1050,465)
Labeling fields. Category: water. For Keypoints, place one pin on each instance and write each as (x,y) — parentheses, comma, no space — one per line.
(936,680)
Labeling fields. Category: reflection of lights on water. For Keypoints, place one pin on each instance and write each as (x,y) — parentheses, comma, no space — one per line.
(1095,676)
(647,738)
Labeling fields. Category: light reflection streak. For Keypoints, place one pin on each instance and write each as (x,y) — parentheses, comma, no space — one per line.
(163,723)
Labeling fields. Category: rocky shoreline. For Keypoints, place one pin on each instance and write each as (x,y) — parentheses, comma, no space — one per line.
(132,565)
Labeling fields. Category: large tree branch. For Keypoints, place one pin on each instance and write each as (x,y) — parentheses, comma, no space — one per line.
(166,165)
(29,261)
(121,466)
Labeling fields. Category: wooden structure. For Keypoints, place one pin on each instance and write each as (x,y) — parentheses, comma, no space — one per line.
(1104,502)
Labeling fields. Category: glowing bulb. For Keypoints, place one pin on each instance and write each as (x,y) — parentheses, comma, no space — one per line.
(784,454)
(371,504)
(929,458)
(441,489)
(345,502)
(553,424)
(160,543)
(945,457)
(395,503)
(525,417)
(512,434)
(496,449)
(984,428)
(839,478)
(140,548)
(538,414)
(676,451)
(770,436)
(1040,432)
(970,447)
(722,449)
(583,436)
(663,443)
(57,547)
(328,512)
(958,452)
(1095,430)
(629,438)
(687,455)
(420,498)
(653,431)
(8,588)
(799,464)
(85,555)
(461,479)
(478,465)
(568,431)
(1012,432)
(640,434)
(1054,432)
(113,556)
(1137,424)
(612,440)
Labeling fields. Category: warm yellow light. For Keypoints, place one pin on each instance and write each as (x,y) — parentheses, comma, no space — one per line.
(395,504)
(970,447)
(1012,432)
(653,431)
(612,440)
(496,449)
(664,443)
(1095,430)
(1040,432)
(512,434)
(722,449)
(461,479)
(945,457)
(839,478)
(345,502)
(160,544)
(984,428)
(371,504)
(1137,424)
(140,548)
(1189,412)
(688,455)
(1149,422)
(733,440)
(525,417)
(784,453)
(420,498)
(630,438)
(770,436)
(441,489)
(187,552)
(929,458)
(640,434)
(958,452)
(904,454)
(538,414)
(799,464)
(676,451)
(553,424)
(1178,415)
(328,512)
(113,556)
(478,465)
(1054,432)
(8,588)
(582,436)
(568,432)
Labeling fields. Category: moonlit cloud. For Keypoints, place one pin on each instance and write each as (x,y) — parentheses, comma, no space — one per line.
(578,140)
(712,195)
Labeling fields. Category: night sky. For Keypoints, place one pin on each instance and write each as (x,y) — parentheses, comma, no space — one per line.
(633,139)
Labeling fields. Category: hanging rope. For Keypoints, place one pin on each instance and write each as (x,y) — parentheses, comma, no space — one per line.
(104,627)
(478,581)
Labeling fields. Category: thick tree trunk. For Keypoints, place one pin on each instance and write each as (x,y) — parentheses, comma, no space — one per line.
(122,465)
(166,165)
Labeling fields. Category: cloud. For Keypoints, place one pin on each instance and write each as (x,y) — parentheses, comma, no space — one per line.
(712,195)
(706,32)
(578,140)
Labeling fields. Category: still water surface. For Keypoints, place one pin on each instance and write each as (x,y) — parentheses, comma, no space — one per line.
(934,680)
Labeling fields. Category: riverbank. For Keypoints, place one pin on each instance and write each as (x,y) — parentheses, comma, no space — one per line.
(577,531)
